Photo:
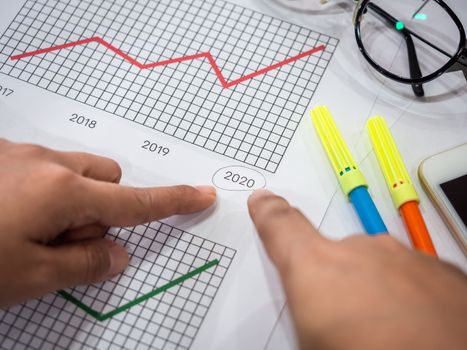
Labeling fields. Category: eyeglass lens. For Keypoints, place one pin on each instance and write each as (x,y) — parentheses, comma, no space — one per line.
(398,34)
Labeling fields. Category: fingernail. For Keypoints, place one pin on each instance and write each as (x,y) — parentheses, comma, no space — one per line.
(118,258)
(261,193)
(210,190)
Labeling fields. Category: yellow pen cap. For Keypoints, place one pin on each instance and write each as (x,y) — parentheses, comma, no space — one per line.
(350,177)
(397,178)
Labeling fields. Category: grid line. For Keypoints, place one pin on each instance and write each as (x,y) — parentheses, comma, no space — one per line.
(252,122)
(161,256)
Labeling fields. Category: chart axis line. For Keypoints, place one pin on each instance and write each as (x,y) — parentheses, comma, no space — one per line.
(207,55)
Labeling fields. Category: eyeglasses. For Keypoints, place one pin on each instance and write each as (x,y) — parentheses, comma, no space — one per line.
(410,41)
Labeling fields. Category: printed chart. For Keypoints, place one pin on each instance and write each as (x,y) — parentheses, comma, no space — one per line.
(159,302)
(211,73)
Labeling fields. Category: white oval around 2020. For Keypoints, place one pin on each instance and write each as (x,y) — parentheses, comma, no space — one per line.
(238,178)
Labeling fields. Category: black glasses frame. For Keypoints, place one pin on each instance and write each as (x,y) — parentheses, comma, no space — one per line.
(456,62)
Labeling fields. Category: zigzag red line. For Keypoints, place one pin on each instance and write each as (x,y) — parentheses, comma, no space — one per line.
(207,55)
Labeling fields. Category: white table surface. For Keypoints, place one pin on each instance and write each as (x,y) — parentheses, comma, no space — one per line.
(422,127)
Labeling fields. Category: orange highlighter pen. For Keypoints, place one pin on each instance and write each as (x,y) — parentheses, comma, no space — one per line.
(399,183)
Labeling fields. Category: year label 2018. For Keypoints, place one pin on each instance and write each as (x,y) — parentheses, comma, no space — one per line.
(83,121)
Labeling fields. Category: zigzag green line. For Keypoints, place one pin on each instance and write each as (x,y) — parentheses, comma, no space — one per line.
(102,317)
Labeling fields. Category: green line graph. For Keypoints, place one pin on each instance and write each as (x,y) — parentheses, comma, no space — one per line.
(160,301)
(104,316)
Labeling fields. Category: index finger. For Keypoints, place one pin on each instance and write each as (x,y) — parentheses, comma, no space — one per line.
(111,204)
(283,229)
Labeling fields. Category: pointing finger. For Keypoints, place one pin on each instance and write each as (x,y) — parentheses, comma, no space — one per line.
(283,229)
(114,205)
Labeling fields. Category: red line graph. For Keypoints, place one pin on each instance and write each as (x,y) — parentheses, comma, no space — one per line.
(207,55)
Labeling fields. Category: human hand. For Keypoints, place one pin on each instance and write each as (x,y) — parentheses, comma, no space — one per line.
(361,292)
(55,208)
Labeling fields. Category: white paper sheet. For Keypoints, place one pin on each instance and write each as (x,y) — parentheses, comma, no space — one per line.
(72,104)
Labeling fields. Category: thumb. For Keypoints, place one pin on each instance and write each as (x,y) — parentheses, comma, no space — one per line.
(284,230)
(86,261)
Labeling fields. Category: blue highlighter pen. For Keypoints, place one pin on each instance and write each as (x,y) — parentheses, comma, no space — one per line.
(350,177)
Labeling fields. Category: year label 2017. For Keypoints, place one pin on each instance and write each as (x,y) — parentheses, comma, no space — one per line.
(4,91)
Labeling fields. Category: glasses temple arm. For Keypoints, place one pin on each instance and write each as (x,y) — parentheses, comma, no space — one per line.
(461,64)
(414,66)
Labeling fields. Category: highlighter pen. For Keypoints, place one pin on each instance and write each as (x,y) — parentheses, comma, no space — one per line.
(400,185)
(350,177)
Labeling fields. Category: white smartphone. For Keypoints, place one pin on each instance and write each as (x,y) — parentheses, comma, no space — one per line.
(444,177)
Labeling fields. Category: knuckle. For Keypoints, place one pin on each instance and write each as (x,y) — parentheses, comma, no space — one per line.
(4,142)
(388,242)
(320,251)
(97,262)
(277,207)
(79,158)
(293,211)
(63,178)
(24,150)
(272,213)
(43,266)
(182,191)
(179,196)
(357,239)
(111,167)
(32,151)
(384,245)
(60,184)
(145,201)
(45,275)
(116,170)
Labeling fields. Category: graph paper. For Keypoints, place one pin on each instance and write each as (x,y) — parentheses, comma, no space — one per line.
(159,302)
(211,73)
